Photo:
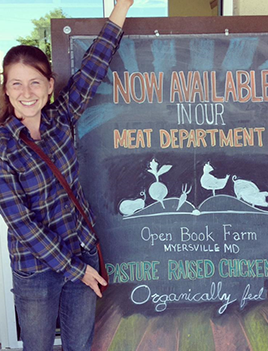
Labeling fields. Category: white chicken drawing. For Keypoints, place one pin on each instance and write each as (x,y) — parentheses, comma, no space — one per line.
(210,182)
(249,192)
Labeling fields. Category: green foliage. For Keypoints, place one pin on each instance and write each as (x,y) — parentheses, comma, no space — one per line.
(41,34)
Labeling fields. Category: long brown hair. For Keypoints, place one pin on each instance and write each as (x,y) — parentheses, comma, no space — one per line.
(30,56)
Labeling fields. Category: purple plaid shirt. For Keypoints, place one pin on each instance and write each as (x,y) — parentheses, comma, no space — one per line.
(45,231)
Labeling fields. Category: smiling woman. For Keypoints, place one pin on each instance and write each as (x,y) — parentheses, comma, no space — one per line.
(52,248)
(28,92)
(27,72)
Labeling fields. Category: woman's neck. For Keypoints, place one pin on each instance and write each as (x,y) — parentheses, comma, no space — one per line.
(33,125)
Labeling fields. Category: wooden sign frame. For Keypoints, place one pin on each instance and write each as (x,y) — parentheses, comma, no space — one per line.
(63,29)
(180,326)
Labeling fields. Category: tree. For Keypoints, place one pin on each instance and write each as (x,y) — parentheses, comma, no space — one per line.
(41,35)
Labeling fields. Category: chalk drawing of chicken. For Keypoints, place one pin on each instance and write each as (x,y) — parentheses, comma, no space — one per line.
(158,191)
(210,182)
(249,192)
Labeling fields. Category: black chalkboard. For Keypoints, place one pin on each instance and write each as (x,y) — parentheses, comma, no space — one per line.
(173,159)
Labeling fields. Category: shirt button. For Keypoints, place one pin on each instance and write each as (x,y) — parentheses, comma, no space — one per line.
(66,206)
(51,158)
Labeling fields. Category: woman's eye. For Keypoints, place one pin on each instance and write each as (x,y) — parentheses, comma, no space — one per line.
(16,84)
(35,82)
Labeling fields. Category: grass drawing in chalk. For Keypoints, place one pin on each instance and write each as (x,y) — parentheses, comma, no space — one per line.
(158,191)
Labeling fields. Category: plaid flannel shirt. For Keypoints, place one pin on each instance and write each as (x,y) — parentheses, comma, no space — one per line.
(45,230)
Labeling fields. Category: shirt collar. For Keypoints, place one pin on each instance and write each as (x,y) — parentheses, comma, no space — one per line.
(14,125)
(45,119)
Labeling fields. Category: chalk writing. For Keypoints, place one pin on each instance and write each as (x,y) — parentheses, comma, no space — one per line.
(132,271)
(214,294)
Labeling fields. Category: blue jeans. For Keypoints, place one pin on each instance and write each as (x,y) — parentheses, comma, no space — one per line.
(41,297)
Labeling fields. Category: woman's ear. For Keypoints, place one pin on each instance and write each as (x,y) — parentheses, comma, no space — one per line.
(51,86)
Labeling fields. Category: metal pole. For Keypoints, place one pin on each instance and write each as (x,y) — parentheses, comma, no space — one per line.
(108,6)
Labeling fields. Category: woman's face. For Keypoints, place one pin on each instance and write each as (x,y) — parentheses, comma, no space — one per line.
(28,90)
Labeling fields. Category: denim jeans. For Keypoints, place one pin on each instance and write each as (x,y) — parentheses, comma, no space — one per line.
(41,297)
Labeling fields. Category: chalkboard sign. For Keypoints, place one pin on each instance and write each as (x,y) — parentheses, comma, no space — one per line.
(173,159)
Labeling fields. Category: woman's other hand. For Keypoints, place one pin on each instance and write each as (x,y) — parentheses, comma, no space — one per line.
(93,279)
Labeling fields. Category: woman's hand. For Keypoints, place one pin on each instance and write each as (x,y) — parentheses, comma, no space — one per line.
(120,10)
(93,279)
(129,2)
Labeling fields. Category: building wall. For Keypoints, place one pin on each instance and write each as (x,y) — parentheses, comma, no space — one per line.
(250,7)
(191,8)
(203,7)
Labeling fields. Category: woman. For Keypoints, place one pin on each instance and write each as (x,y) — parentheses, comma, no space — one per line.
(52,251)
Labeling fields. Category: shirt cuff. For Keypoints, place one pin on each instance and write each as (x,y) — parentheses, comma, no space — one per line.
(112,33)
(75,270)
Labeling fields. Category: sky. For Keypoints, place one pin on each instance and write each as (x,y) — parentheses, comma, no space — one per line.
(16,15)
